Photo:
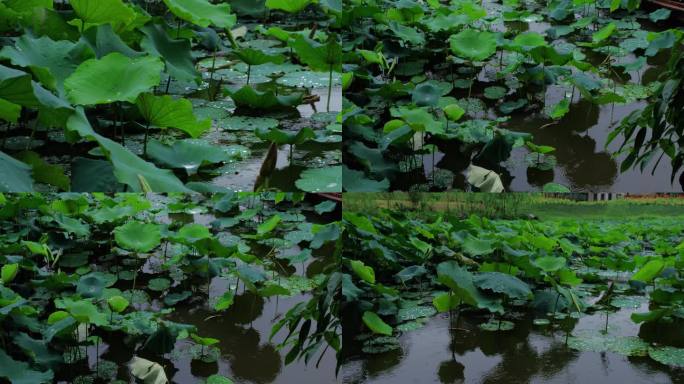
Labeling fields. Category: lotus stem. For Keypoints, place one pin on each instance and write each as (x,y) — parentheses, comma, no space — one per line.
(330,79)
(249,72)
(147,129)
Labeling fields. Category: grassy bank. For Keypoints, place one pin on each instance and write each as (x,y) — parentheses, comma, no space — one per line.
(515,205)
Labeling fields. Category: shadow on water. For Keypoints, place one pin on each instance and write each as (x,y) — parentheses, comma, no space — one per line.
(526,354)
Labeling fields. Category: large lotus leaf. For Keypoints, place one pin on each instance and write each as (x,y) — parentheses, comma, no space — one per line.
(165,112)
(92,175)
(291,6)
(326,179)
(649,271)
(252,56)
(426,95)
(50,61)
(103,40)
(96,12)
(9,112)
(138,237)
(473,45)
(356,181)
(319,57)
(15,176)
(83,311)
(202,12)
(671,356)
(45,172)
(115,77)
(18,372)
(280,137)
(503,283)
(461,283)
(176,53)
(188,154)
(248,97)
(39,351)
(92,285)
(16,87)
(375,323)
(366,273)
(529,40)
(129,169)
(550,263)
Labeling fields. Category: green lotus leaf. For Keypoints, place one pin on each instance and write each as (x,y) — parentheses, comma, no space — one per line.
(671,356)
(603,33)
(167,112)
(103,40)
(268,225)
(191,233)
(649,271)
(15,176)
(50,61)
(115,77)
(503,283)
(91,285)
(281,137)
(189,154)
(247,123)
(319,57)
(138,237)
(19,372)
(461,283)
(117,303)
(44,172)
(426,95)
(497,325)
(9,112)
(175,53)
(473,45)
(202,12)
(454,112)
(363,271)
(225,301)
(529,40)
(96,12)
(159,284)
(326,179)
(550,263)
(495,93)
(9,272)
(129,169)
(83,311)
(39,351)
(290,6)
(218,379)
(375,323)
(248,97)
(555,188)
(252,56)
(356,181)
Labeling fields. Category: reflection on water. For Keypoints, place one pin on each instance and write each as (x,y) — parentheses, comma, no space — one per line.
(455,350)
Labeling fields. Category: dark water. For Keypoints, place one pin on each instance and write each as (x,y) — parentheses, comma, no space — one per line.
(456,351)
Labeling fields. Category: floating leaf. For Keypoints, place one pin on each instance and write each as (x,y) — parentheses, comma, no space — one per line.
(138,237)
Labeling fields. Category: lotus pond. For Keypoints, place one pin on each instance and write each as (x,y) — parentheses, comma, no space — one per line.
(170,96)
(434,298)
(562,95)
(185,288)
